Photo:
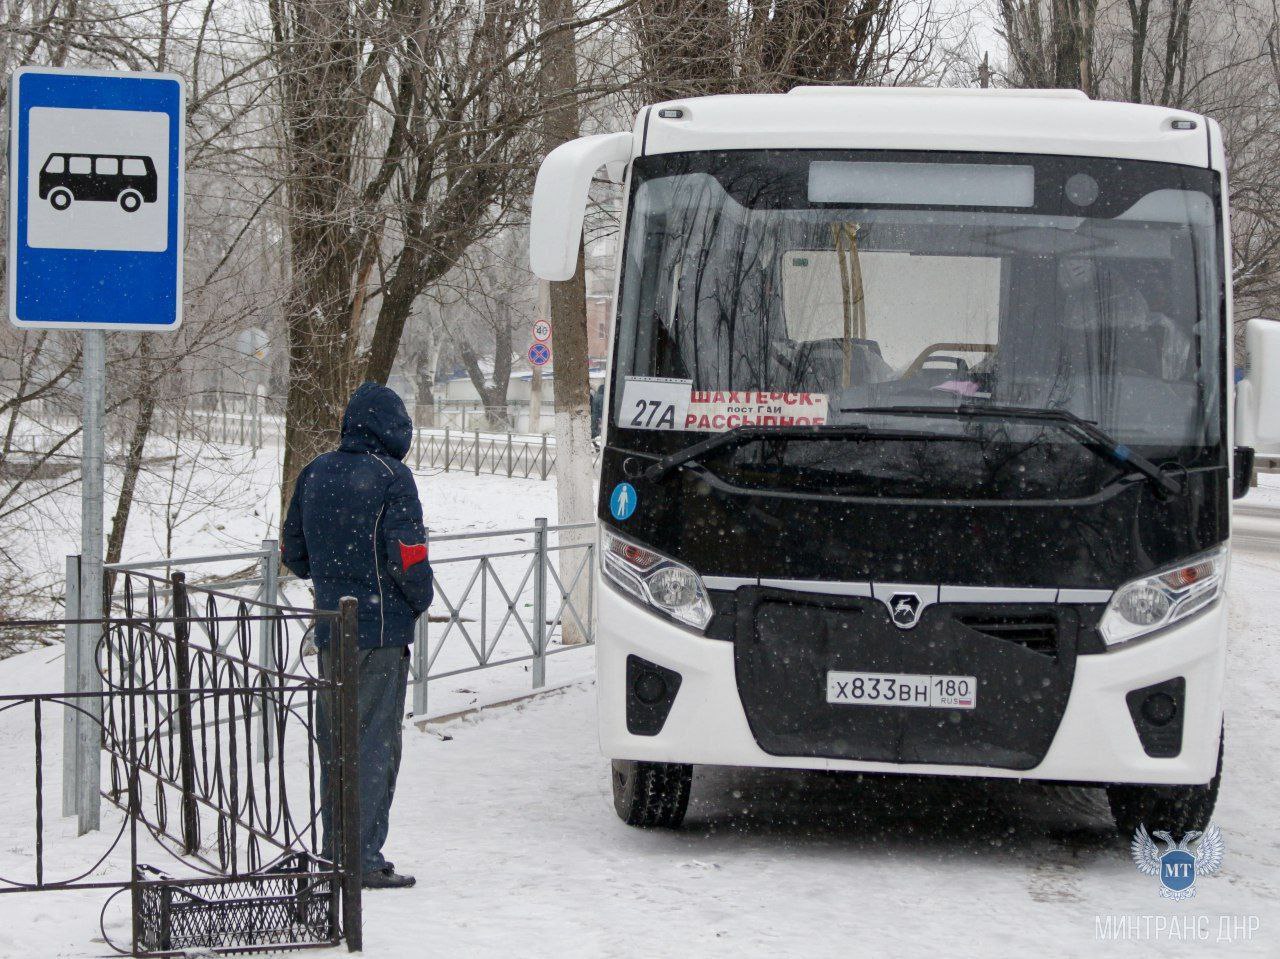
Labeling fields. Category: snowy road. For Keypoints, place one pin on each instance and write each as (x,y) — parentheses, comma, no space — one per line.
(509,826)
(510,829)
(1256,532)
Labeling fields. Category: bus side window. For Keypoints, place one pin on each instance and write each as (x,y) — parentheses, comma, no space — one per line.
(134,167)
(55,164)
(106,166)
(80,165)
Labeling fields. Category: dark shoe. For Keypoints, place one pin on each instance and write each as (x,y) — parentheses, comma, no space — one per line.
(386,878)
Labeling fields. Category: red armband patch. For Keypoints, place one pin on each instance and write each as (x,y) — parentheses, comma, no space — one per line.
(411,556)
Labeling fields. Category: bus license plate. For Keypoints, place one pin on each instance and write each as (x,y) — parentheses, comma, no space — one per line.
(902,689)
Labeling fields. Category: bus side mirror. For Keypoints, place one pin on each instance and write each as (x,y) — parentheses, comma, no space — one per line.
(560,200)
(1242,472)
(1258,394)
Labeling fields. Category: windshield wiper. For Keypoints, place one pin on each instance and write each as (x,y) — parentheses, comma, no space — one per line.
(1092,437)
(741,435)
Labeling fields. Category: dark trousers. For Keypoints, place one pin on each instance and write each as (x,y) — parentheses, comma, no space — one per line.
(384,674)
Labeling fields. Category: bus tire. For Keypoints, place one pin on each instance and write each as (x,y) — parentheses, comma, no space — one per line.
(651,795)
(1172,809)
(130,201)
(60,198)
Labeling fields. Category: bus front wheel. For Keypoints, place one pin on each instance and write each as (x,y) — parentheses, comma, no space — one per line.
(130,201)
(651,794)
(1172,809)
(60,199)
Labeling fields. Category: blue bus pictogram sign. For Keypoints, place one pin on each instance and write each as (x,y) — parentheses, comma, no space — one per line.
(95,199)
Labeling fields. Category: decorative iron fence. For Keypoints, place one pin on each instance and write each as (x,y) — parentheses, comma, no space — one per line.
(175,704)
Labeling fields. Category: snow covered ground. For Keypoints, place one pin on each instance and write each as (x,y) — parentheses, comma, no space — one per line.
(506,819)
(510,828)
(197,498)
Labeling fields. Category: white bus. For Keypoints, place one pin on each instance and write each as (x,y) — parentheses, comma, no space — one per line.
(920,441)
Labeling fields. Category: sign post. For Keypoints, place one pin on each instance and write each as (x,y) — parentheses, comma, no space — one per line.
(95,244)
(88,762)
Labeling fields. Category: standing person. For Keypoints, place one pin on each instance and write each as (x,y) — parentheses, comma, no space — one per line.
(354,528)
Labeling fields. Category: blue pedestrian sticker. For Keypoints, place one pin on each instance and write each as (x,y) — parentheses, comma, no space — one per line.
(622,502)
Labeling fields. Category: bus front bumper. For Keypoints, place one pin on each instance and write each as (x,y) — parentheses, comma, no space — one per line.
(1095,742)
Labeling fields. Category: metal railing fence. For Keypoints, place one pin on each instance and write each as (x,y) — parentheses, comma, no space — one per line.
(501,454)
(481,599)
(528,598)
(511,454)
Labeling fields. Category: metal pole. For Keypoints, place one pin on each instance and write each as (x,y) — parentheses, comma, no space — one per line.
(540,602)
(70,678)
(266,636)
(544,456)
(186,740)
(88,740)
(348,728)
(446,449)
(420,658)
(477,452)
(256,422)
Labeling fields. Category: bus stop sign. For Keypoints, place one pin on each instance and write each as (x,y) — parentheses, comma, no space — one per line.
(95,199)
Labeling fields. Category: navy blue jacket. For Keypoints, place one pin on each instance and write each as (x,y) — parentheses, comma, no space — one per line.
(354,526)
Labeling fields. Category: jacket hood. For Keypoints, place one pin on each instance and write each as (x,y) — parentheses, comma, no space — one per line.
(376,422)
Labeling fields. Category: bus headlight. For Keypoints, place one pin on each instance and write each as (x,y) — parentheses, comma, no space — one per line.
(654,579)
(1155,601)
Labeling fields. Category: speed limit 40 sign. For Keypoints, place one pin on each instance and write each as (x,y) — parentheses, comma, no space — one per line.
(541,331)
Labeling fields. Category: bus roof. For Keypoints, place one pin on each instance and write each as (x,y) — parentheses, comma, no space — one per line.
(1063,122)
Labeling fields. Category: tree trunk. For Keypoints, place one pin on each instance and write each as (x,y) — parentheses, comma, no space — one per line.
(568,313)
(319,58)
(425,411)
(132,462)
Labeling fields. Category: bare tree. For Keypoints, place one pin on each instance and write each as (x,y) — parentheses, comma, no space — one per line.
(408,130)
(1051,42)
(1217,57)
(712,46)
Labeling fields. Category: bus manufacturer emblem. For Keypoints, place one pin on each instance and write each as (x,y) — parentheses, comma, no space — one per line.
(905,609)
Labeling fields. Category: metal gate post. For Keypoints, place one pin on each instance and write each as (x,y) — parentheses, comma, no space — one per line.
(186,742)
(540,602)
(446,449)
(70,683)
(420,667)
(544,455)
(267,638)
(348,728)
(477,452)
(421,659)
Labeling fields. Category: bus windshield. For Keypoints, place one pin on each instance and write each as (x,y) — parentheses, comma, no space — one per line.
(780,283)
